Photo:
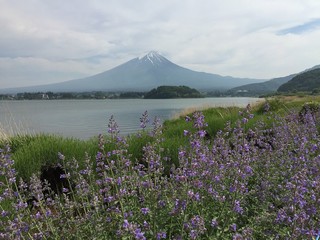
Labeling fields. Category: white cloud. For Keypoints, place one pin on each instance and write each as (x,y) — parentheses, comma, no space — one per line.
(62,40)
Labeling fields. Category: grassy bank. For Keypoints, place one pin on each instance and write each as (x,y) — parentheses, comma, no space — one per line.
(223,173)
(3,135)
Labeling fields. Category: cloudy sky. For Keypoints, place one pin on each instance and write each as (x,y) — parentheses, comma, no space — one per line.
(45,41)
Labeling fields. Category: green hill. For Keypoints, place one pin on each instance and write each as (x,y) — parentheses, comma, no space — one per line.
(257,89)
(267,87)
(173,92)
(304,82)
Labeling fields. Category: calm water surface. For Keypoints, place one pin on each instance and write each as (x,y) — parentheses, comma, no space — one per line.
(87,118)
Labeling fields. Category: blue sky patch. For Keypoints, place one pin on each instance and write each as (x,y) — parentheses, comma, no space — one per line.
(300,29)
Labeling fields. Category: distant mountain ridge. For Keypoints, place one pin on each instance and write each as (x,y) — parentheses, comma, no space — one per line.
(256,89)
(142,74)
(270,86)
(304,82)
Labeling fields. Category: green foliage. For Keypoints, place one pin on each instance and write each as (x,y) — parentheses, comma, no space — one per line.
(273,104)
(216,119)
(304,82)
(316,91)
(173,92)
(35,152)
(136,143)
(17,141)
(131,95)
(260,89)
(31,152)
(228,185)
(310,107)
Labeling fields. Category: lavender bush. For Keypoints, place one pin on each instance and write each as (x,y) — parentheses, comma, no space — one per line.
(244,183)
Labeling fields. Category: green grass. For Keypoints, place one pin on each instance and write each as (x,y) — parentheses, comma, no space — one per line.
(136,143)
(218,117)
(173,129)
(33,152)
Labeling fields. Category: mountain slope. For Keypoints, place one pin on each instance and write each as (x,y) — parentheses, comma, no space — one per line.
(256,89)
(304,82)
(143,73)
(270,86)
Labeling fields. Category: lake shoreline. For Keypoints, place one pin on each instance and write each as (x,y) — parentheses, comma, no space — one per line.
(87,117)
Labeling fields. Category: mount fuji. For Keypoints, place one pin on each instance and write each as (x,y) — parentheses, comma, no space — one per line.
(142,74)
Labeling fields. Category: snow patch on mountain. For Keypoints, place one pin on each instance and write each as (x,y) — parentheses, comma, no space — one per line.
(153,56)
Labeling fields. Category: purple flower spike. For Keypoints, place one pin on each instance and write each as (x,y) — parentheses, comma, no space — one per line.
(233,227)
(145,211)
(144,120)
(113,128)
(139,235)
(161,235)
(237,208)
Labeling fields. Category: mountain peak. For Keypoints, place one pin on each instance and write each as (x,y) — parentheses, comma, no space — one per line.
(154,57)
(153,54)
(141,74)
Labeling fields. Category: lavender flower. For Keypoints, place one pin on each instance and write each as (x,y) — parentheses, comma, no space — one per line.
(139,235)
(145,211)
(258,183)
(266,107)
(199,122)
(161,235)
(113,128)
(233,227)
(144,120)
(237,208)
(214,223)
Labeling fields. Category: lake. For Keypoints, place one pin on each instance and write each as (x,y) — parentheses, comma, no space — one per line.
(87,118)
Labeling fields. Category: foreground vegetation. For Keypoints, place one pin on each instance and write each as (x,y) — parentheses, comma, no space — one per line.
(224,173)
